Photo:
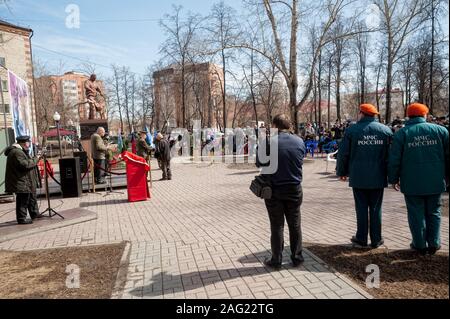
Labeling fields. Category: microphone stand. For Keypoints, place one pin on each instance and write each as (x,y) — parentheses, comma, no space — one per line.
(50,210)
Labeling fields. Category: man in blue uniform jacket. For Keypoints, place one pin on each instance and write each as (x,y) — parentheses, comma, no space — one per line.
(363,157)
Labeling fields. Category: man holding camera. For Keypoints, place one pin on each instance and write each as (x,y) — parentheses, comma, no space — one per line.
(22,179)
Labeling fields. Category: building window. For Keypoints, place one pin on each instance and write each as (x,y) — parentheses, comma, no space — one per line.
(2,109)
(5,85)
(1,38)
(2,61)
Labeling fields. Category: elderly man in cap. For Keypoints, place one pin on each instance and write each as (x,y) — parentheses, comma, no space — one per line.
(419,167)
(22,178)
(162,154)
(363,157)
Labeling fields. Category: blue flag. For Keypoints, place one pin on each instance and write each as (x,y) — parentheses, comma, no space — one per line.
(149,137)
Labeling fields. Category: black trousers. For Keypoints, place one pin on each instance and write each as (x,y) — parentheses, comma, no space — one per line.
(285,204)
(98,173)
(368,204)
(26,202)
(166,171)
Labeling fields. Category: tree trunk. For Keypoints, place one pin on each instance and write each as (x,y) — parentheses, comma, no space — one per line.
(319,79)
(224,92)
(329,94)
(294,107)
(338,95)
(432,57)
(183,94)
(315,100)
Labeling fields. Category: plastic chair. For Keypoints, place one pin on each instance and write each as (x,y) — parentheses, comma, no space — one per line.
(330,147)
(311,147)
(330,158)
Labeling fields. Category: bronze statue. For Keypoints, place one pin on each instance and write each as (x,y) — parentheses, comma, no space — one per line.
(91,89)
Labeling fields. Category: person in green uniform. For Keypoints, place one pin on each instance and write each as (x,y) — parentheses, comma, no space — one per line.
(362,158)
(419,167)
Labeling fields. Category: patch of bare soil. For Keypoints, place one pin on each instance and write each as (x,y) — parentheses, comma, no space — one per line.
(404,274)
(42,274)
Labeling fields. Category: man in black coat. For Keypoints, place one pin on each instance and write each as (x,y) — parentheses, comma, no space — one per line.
(22,178)
(287,194)
(162,153)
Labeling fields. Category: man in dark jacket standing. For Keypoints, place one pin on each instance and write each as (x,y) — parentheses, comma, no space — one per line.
(99,150)
(22,179)
(287,195)
(419,166)
(143,149)
(363,157)
(162,153)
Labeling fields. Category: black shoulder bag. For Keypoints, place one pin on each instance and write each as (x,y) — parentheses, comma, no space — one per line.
(261,187)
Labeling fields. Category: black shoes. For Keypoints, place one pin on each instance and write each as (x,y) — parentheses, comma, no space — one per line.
(422,252)
(25,222)
(296,262)
(377,245)
(358,244)
(271,264)
(433,250)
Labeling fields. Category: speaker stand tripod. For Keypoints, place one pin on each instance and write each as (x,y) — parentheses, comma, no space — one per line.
(109,187)
(51,212)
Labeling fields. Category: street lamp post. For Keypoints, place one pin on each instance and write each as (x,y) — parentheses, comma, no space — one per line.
(70,123)
(57,118)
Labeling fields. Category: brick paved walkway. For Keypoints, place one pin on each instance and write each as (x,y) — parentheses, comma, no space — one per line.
(204,235)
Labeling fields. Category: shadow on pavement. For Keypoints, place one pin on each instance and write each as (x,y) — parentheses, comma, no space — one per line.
(198,279)
(104,202)
(245,173)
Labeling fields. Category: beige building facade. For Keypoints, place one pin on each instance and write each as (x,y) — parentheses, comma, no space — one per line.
(203,96)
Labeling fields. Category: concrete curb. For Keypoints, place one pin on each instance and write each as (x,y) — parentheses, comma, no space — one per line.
(122,274)
(344,278)
(48,228)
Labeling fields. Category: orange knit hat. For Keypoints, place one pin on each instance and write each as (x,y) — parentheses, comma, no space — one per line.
(369,109)
(417,109)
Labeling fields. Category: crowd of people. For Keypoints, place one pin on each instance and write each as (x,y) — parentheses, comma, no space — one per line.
(411,154)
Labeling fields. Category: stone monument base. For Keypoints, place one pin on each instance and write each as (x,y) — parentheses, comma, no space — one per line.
(89,127)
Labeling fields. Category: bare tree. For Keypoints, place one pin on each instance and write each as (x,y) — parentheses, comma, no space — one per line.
(45,93)
(287,63)
(178,45)
(224,32)
(361,43)
(400,20)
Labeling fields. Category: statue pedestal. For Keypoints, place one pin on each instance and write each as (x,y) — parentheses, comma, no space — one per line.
(89,127)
